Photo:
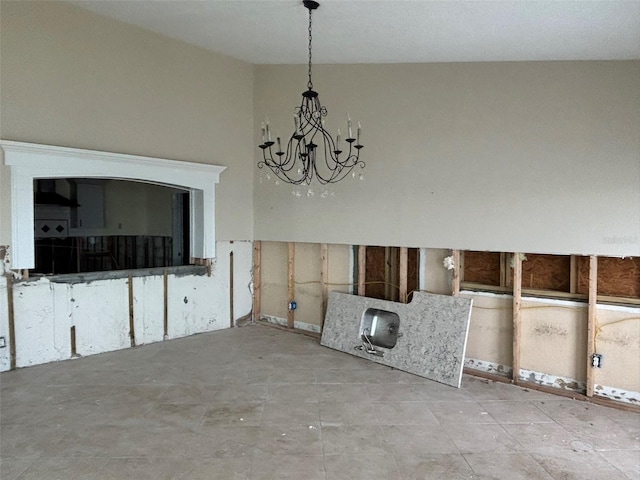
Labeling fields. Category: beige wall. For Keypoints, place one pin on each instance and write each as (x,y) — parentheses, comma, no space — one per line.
(76,79)
(535,157)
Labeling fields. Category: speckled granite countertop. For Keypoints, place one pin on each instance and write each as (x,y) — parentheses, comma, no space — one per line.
(434,332)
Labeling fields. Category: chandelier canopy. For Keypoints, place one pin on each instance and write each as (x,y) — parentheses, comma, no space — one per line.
(311,152)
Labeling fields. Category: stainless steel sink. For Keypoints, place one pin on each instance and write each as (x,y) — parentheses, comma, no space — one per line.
(380,328)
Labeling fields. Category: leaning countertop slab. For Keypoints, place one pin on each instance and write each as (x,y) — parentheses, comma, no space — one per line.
(434,331)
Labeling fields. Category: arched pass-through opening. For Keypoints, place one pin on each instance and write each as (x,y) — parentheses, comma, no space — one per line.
(30,162)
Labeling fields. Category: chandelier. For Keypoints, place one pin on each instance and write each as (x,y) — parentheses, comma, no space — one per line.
(311,152)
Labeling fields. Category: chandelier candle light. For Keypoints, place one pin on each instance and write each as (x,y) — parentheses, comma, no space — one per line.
(311,151)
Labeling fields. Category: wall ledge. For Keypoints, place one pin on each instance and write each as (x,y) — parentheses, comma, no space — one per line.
(88,277)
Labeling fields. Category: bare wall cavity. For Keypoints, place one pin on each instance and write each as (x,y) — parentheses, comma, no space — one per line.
(552,348)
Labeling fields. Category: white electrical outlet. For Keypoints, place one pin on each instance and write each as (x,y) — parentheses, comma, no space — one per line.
(3,342)
(596,360)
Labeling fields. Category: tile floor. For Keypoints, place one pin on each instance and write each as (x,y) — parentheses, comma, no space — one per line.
(261,403)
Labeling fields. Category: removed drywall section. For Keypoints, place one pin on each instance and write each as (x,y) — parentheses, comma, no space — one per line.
(308,289)
(490,342)
(242,275)
(340,268)
(617,339)
(437,279)
(554,340)
(274,279)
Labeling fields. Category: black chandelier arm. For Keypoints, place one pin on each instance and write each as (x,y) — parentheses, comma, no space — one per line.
(286,162)
(302,151)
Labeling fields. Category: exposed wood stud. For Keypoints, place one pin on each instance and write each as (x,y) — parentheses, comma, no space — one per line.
(324,278)
(166,304)
(455,282)
(362,269)
(388,281)
(257,281)
(404,255)
(231,313)
(74,352)
(12,325)
(291,283)
(517,314)
(132,332)
(592,321)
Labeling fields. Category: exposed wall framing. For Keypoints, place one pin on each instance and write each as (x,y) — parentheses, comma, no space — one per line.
(403,272)
(516,310)
(547,272)
(231,286)
(379,265)
(362,269)
(257,280)
(559,276)
(455,281)
(291,282)
(618,277)
(132,330)
(482,267)
(165,304)
(517,314)
(591,321)
(12,324)
(324,276)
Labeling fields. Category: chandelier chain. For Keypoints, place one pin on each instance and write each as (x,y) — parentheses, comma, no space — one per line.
(310,83)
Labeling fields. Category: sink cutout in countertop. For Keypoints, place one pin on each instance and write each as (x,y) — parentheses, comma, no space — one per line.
(380,327)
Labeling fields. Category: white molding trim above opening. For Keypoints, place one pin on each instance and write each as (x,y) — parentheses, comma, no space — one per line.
(28,162)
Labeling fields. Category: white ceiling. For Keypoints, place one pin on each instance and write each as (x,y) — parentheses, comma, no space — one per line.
(392,31)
